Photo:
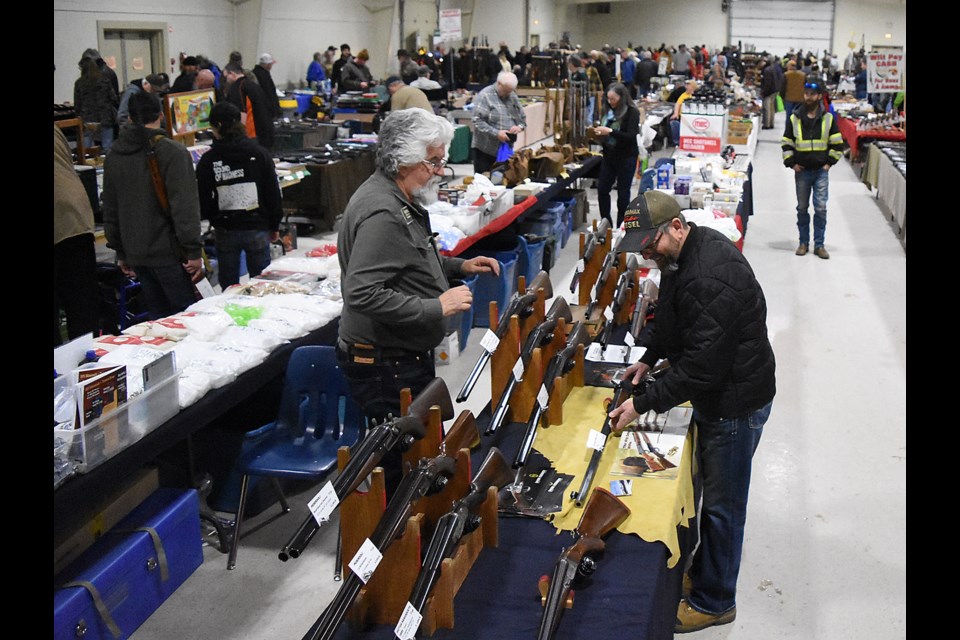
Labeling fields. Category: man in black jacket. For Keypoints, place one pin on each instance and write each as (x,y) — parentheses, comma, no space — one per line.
(239,194)
(256,113)
(262,72)
(711,326)
(646,69)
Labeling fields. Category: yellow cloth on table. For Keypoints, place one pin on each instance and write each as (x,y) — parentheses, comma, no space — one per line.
(657,506)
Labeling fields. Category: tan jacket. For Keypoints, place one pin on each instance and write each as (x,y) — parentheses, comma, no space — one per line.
(793,82)
(407,97)
(72,213)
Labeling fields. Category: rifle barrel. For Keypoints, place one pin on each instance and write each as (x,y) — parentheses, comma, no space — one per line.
(564,572)
(474,376)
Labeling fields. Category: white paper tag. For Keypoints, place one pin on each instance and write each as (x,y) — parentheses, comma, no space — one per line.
(629,339)
(594,352)
(205,289)
(543,397)
(608,312)
(636,353)
(410,621)
(580,265)
(366,561)
(596,440)
(518,370)
(615,353)
(489,341)
(323,504)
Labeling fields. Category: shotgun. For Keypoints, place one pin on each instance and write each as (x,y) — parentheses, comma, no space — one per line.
(624,390)
(624,285)
(594,239)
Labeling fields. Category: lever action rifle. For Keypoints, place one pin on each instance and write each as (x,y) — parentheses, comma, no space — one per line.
(562,362)
(604,513)
(624,390)
(520,304)
(367,453)
(624,285)
(428,478)
(646,301)
(538,337)
(594,239)
(459,521)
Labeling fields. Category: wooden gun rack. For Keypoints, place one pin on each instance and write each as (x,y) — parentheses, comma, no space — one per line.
(591,270)
(383,598)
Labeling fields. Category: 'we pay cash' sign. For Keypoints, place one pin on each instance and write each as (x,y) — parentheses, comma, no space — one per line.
(885,72)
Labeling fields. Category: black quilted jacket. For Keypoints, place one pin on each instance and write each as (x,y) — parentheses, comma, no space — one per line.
(711,324)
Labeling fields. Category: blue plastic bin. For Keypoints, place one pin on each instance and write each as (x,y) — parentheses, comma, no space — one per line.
(531,257)
(490,287)
(466,317)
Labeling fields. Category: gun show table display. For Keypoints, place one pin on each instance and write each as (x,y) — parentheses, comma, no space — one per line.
(870,127)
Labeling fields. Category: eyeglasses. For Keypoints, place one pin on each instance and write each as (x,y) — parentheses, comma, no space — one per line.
(436,165)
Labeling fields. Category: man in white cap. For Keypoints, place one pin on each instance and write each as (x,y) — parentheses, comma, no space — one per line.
(262,71)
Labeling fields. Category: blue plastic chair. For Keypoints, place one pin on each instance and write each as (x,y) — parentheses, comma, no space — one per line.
(316,417)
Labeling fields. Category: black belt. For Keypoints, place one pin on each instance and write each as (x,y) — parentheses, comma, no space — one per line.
(368,354)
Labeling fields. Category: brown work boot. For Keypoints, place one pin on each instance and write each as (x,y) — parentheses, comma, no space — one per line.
(687,585)
(689,619)
(820,252)
(801,250)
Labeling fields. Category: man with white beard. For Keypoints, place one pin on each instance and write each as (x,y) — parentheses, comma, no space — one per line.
(394,281)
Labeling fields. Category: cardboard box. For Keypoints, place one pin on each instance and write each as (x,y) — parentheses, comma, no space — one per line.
(448,350)
(738,131)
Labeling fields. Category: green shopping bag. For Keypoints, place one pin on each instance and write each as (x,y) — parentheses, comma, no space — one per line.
(780,106)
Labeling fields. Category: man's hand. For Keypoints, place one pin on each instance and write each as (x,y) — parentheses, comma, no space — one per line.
(797,168)
(622,416)
(826,167)
(515,129)
(637,370)
(480,264)
(456,299)
(502,136)
(127,269)
(194,268)
(602,131)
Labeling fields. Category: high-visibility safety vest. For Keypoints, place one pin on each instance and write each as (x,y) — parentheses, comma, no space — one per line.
(820,143)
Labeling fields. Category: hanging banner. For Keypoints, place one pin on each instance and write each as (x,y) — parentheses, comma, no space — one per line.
(450,25)
(885,71)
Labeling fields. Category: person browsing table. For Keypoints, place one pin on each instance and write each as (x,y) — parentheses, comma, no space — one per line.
(497,115)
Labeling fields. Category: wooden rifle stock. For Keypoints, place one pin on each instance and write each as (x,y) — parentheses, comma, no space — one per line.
(463,434)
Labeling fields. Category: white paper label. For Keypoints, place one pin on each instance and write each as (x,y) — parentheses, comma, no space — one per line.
(608,312)
(205,288)
(629,339)
(323,504)
(615,353)
(543,397)
(580,265)
(489,341)
(594,352)
(518,370)
(366,561)
(596,440)
(636,353)
(409,623)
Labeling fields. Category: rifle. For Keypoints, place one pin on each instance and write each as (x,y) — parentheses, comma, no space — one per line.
(520,304)
(609,264)
(367,453)
(539,336)
(604,513)
(428,478)
(624,285)
(623,390)
(648,298)
(460,520)
(594,239)
(559,364)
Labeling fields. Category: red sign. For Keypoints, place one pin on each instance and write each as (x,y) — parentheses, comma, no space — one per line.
(696,143)
(700,124)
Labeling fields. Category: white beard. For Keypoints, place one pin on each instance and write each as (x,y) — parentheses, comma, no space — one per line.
(427,194)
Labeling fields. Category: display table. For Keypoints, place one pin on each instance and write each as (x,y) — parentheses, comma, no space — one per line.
(633,593)
(83,495)
(324,194)
(854,137)
(527,205)
(892,193)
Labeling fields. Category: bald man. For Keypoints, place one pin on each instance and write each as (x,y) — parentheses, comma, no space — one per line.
(205,79)
(497,115)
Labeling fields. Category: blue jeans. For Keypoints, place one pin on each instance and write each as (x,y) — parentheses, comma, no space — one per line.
(621,170)
(256,244)
(726,449)
(675,132)
(816,181)
(167,289)
(106,138)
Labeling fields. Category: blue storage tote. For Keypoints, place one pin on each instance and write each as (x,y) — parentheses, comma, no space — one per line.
(542,222)
(133,568)
(531,257)
(466,317)
(490,287)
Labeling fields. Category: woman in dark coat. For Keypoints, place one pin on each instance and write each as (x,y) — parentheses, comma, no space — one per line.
(619,126)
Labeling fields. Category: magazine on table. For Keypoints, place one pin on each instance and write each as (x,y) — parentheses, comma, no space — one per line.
(99,390)
(653,447)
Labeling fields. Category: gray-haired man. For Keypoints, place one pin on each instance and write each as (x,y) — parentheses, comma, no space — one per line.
(395,283)
(496,115)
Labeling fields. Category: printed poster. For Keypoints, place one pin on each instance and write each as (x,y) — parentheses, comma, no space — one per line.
(885,71)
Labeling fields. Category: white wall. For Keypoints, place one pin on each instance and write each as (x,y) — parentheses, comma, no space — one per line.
(869,19)
(194,27)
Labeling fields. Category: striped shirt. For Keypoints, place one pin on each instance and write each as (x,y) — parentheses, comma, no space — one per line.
(492,114)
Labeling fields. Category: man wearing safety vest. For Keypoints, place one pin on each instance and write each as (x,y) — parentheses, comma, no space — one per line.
(811,144)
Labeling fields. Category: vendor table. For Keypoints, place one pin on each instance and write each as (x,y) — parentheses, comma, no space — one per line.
(892,192)
(83,495)
(527,205)
(324,194)
(854,137)
(633,594)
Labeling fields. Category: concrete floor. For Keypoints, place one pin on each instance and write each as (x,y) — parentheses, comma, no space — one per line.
(825,549)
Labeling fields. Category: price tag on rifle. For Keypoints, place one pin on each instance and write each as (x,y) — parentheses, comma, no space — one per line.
(608,312)
(410,620)
(636,353)
(489,341)
(594,352)
(518,370)
(596,440)
(580,265)
(615,353)
(366,561)
(543,397)
(323,504)
(629,339)
(564,174)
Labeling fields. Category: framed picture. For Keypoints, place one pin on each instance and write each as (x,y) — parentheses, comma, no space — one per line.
(189,112)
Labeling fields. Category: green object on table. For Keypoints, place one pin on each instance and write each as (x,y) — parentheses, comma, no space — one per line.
(780,105)
(460,146)
(242,315)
